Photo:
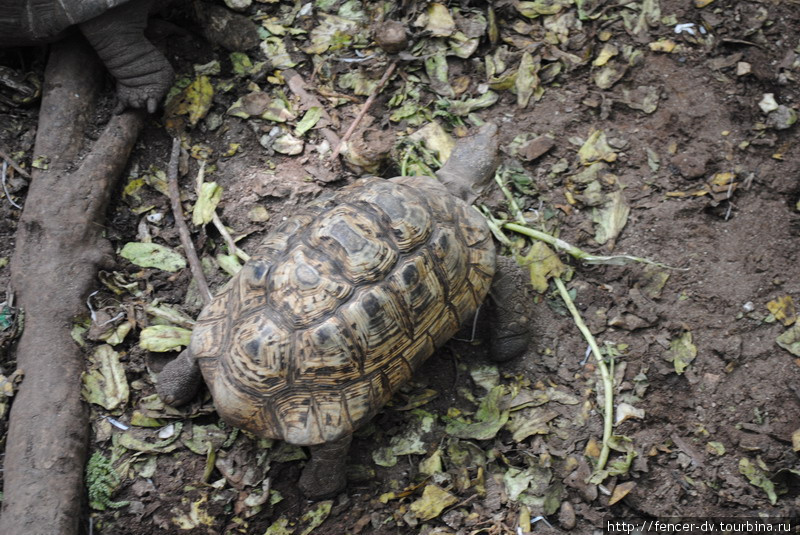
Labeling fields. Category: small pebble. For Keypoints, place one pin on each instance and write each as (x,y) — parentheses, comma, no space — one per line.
(743,68)
(155,217)
(391,36)
(768,103)
(166,432)
(782,117)
(238,5)
(566,515)
(258,214)
(536,148)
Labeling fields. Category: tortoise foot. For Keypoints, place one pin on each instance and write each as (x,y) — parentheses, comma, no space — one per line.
(324,475)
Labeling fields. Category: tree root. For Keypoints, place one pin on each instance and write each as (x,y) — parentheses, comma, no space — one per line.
(58,249)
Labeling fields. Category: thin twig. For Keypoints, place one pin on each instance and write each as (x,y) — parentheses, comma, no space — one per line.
(364,109)
(298,86)
(183,230)
(226,236)
(5,187)
(228,239)
(14,164)
(608,384)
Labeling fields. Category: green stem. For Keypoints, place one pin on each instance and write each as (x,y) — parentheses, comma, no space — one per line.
(608,383)
(580,254)
(512,202)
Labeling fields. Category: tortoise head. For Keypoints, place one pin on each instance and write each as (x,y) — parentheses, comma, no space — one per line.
(472,164)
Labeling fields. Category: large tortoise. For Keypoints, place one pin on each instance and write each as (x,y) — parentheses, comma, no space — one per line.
(343,302)
(115,28)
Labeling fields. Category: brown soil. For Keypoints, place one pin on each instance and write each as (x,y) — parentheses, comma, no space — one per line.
(736,251)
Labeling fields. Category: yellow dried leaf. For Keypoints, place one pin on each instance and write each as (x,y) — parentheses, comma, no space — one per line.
(436,139)
(596,148)
(206,205)
(312,519)
(432,465)
(682,352)
(701,3)
(722,179)
(440,22)
(527,81)
(611,218)
(592,449)
(606,53)
(542,263)
(434,500)
(715,448)
(194,102)
(626,411)
(796,441)
(196,517)
(663,45)
(105,383)
(783,309)
(162,338)
(790,340)
(620,491)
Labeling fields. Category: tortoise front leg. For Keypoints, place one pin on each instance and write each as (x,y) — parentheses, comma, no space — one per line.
(324,475)
(508,305)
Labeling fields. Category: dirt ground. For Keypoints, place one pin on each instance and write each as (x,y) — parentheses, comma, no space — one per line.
(662,141)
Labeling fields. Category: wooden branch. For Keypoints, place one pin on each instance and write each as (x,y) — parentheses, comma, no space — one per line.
(180,222)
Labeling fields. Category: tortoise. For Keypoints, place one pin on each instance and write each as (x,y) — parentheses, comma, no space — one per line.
(114,28)
(344,301)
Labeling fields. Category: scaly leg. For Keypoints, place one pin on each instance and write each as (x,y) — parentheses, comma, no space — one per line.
(510,323)
(143,74)
(324,475)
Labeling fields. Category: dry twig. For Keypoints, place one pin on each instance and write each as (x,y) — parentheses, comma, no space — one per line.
(183,229)
(298,87)
(14,164)
(364,109)
(226,236)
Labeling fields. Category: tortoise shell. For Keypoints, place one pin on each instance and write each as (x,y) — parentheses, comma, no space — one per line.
(343,302)
(27,22)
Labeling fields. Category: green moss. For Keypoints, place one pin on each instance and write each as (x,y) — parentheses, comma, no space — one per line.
(101,482)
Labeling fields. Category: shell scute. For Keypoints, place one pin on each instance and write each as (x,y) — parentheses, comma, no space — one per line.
(327,354)
(416,283)
(305,289)
(358,245)
(376,321)
(451,254)
(404,211)
(261,348)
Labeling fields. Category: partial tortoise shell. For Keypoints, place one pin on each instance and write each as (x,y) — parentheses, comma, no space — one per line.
(26,22)
(345,300)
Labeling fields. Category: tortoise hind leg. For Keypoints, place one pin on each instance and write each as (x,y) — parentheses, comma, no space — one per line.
(508,311)
(324,474)
(180,380)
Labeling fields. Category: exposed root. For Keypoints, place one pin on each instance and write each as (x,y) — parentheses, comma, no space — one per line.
(58,249)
